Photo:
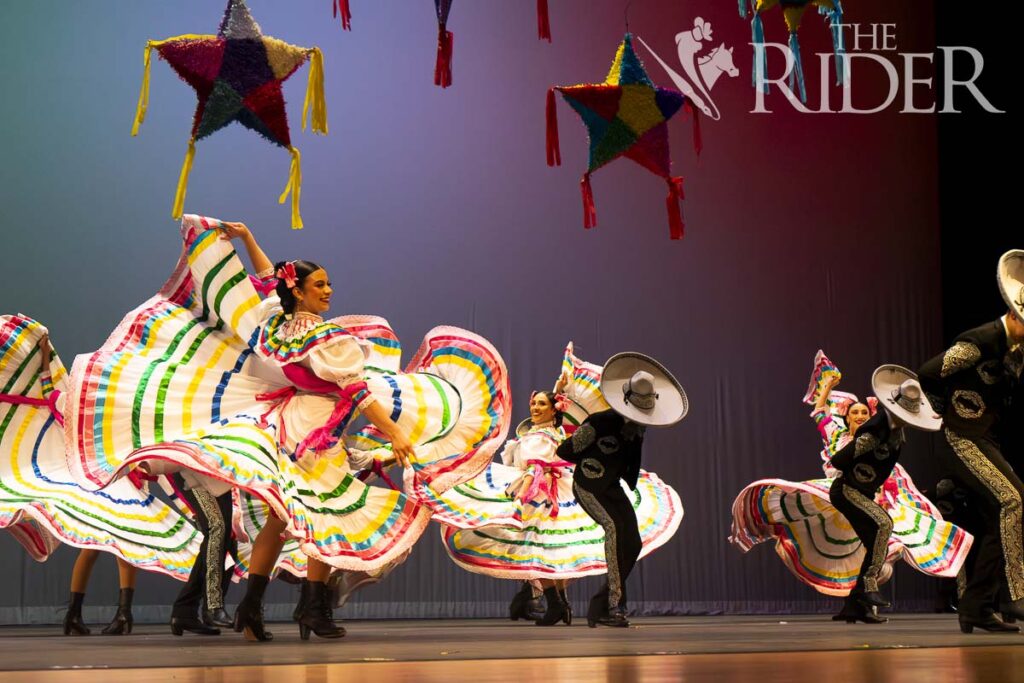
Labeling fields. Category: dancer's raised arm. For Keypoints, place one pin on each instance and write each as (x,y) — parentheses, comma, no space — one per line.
(262,265)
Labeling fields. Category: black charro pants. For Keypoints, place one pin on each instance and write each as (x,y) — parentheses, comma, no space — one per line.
(612,509)
(872,525)
(207,578)
(996,559)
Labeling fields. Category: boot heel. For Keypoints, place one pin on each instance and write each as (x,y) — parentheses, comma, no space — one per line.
(966,628)
(304,632)
(591,623)
(176,630)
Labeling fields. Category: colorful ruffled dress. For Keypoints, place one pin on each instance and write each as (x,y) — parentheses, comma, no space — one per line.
(41,504)
(547,534)
(815,541)
(208,377)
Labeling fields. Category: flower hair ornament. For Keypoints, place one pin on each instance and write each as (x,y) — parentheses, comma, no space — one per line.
(286,274)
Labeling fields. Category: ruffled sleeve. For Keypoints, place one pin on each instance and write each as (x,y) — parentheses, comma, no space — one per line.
(341,363)
(268,307)
(508,454)
(823,421)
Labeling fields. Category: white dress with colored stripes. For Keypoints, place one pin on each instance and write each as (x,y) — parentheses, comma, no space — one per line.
(178,380)
(42,505)
(544,534)
(817,543)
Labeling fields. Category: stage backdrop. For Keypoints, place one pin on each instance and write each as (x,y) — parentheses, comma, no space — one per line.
(431,206)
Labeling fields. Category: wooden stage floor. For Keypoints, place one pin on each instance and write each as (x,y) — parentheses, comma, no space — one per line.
(910,648)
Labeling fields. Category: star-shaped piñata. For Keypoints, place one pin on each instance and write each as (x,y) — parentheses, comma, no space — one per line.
(793,12)
(237,75)
(626,116)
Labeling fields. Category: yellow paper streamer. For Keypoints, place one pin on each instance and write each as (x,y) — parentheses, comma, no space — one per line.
(140,109)
(315,94)
(294,186)
(186,169)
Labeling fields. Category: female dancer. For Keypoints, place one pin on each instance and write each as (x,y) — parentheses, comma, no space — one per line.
(533,453)
(529,526)
(258,394)
(812,538)
(43,506)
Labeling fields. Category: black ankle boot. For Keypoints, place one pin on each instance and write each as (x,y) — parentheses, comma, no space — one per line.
(73,624)
(871,599)
(218,618)
(179,625)
(556,608)
(566,606)
(121,625)
(988,622)
(317,615)
(300,606)
(598,607)
(249,615)
(853,611)
(615,617)
(524,605)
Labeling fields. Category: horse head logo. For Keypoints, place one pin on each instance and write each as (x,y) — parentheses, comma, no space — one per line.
(700,71)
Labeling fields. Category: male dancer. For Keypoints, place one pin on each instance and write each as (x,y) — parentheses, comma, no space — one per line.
(971,384)
(865,463)
(607,448)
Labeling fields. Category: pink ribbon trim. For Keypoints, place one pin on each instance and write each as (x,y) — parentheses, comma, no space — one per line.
(49,402)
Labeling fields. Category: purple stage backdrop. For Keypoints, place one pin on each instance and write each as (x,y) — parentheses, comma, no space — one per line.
(431,206)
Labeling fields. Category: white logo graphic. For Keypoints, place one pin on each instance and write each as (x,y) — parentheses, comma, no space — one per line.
(870,47)
(701,71)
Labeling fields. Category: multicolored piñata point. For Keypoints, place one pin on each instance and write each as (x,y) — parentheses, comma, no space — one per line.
(793,12)
(626,116)
(237,75)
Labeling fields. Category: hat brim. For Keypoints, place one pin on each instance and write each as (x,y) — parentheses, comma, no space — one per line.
(1010,276)
(886,382)
(671,405)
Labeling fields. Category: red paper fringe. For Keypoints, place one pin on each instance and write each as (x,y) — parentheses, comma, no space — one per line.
(675,215)
(589,211)
(698,141)
(551,114)
(443,67)
(543,23)
(346,14)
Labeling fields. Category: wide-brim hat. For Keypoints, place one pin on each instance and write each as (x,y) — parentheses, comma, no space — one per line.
(900,393)
(641,389)
(1010,275)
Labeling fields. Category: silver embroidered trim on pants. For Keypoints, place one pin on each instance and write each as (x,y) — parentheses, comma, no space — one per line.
(878,550)
(1009,508)
(214,547)
(611,556)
